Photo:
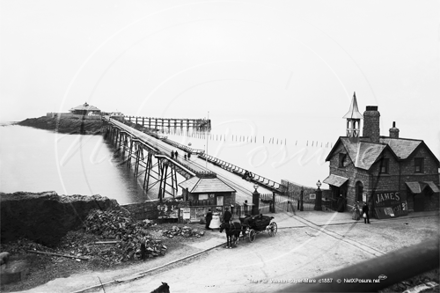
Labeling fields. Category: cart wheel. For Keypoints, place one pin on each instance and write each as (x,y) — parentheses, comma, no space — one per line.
(252,235)
(273,229)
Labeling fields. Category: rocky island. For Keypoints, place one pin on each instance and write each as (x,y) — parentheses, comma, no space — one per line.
(73,124)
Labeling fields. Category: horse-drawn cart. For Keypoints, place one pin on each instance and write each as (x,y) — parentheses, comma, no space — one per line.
(248,228)
(251,226)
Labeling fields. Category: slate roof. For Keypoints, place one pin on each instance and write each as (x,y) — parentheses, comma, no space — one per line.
(403,148)
(206,185)
(364,154)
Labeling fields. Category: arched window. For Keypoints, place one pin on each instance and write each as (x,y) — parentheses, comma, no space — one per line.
(359,191)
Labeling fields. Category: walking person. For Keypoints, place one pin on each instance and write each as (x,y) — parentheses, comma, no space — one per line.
(208,219)
(176,154)
(356,212)
(172,155)
(365,211)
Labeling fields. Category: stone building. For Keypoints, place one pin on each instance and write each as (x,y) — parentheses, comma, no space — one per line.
(393,175)
(85,109)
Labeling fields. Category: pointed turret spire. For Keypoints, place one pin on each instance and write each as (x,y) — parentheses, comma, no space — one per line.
(353,117)
(353,112)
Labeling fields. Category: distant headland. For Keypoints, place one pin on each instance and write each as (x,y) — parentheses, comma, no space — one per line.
(82,119)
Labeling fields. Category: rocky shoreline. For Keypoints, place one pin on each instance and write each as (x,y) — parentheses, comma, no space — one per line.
(74,124)
(52,236)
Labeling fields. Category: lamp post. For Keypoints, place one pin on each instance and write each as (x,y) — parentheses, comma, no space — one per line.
(255,201)
(318,200)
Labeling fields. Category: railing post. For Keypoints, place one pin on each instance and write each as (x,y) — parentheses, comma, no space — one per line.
(273,202)
(256,202)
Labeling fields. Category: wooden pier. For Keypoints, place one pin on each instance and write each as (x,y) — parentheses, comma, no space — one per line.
(153,161)
(171,123)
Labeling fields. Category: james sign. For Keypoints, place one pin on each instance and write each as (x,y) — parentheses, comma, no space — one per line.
(386,199)
(389,204)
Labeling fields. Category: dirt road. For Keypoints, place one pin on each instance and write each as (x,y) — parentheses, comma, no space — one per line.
(269,264)
(303,248)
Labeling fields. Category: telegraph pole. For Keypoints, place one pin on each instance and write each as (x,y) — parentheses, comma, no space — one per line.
(206,156)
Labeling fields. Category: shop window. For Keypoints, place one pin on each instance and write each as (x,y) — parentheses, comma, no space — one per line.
(203,196)
(342,157)
(418,165)
(384,166)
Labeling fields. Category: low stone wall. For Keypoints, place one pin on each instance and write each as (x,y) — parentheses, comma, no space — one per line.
(143,210)
(46,217)
(168,210)
(295,189)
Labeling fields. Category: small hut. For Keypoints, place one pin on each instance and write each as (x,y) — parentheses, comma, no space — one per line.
(208,191)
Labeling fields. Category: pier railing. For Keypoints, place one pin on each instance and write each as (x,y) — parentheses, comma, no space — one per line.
(168,123)
(164,138)
(183,147)
(245,174)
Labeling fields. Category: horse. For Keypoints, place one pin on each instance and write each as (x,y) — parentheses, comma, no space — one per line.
(233,231)
(164,288)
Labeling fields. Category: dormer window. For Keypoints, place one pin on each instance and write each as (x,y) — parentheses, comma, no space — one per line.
(342,158)
(418,165)
(384,166)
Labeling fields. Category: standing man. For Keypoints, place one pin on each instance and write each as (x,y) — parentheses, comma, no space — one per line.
(208,219)
(365,211)
(176,154)
(245,206)
(227,215)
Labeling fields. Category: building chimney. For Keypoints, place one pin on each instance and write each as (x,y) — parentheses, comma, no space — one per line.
(371,124)
(394,132)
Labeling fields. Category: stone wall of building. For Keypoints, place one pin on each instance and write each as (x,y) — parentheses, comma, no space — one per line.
(353,174)
(400,172)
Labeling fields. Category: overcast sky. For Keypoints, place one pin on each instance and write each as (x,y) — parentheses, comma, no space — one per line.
(231,58)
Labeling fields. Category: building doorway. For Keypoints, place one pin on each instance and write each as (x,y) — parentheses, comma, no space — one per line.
(219,200)
(419,202)
(339,197)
